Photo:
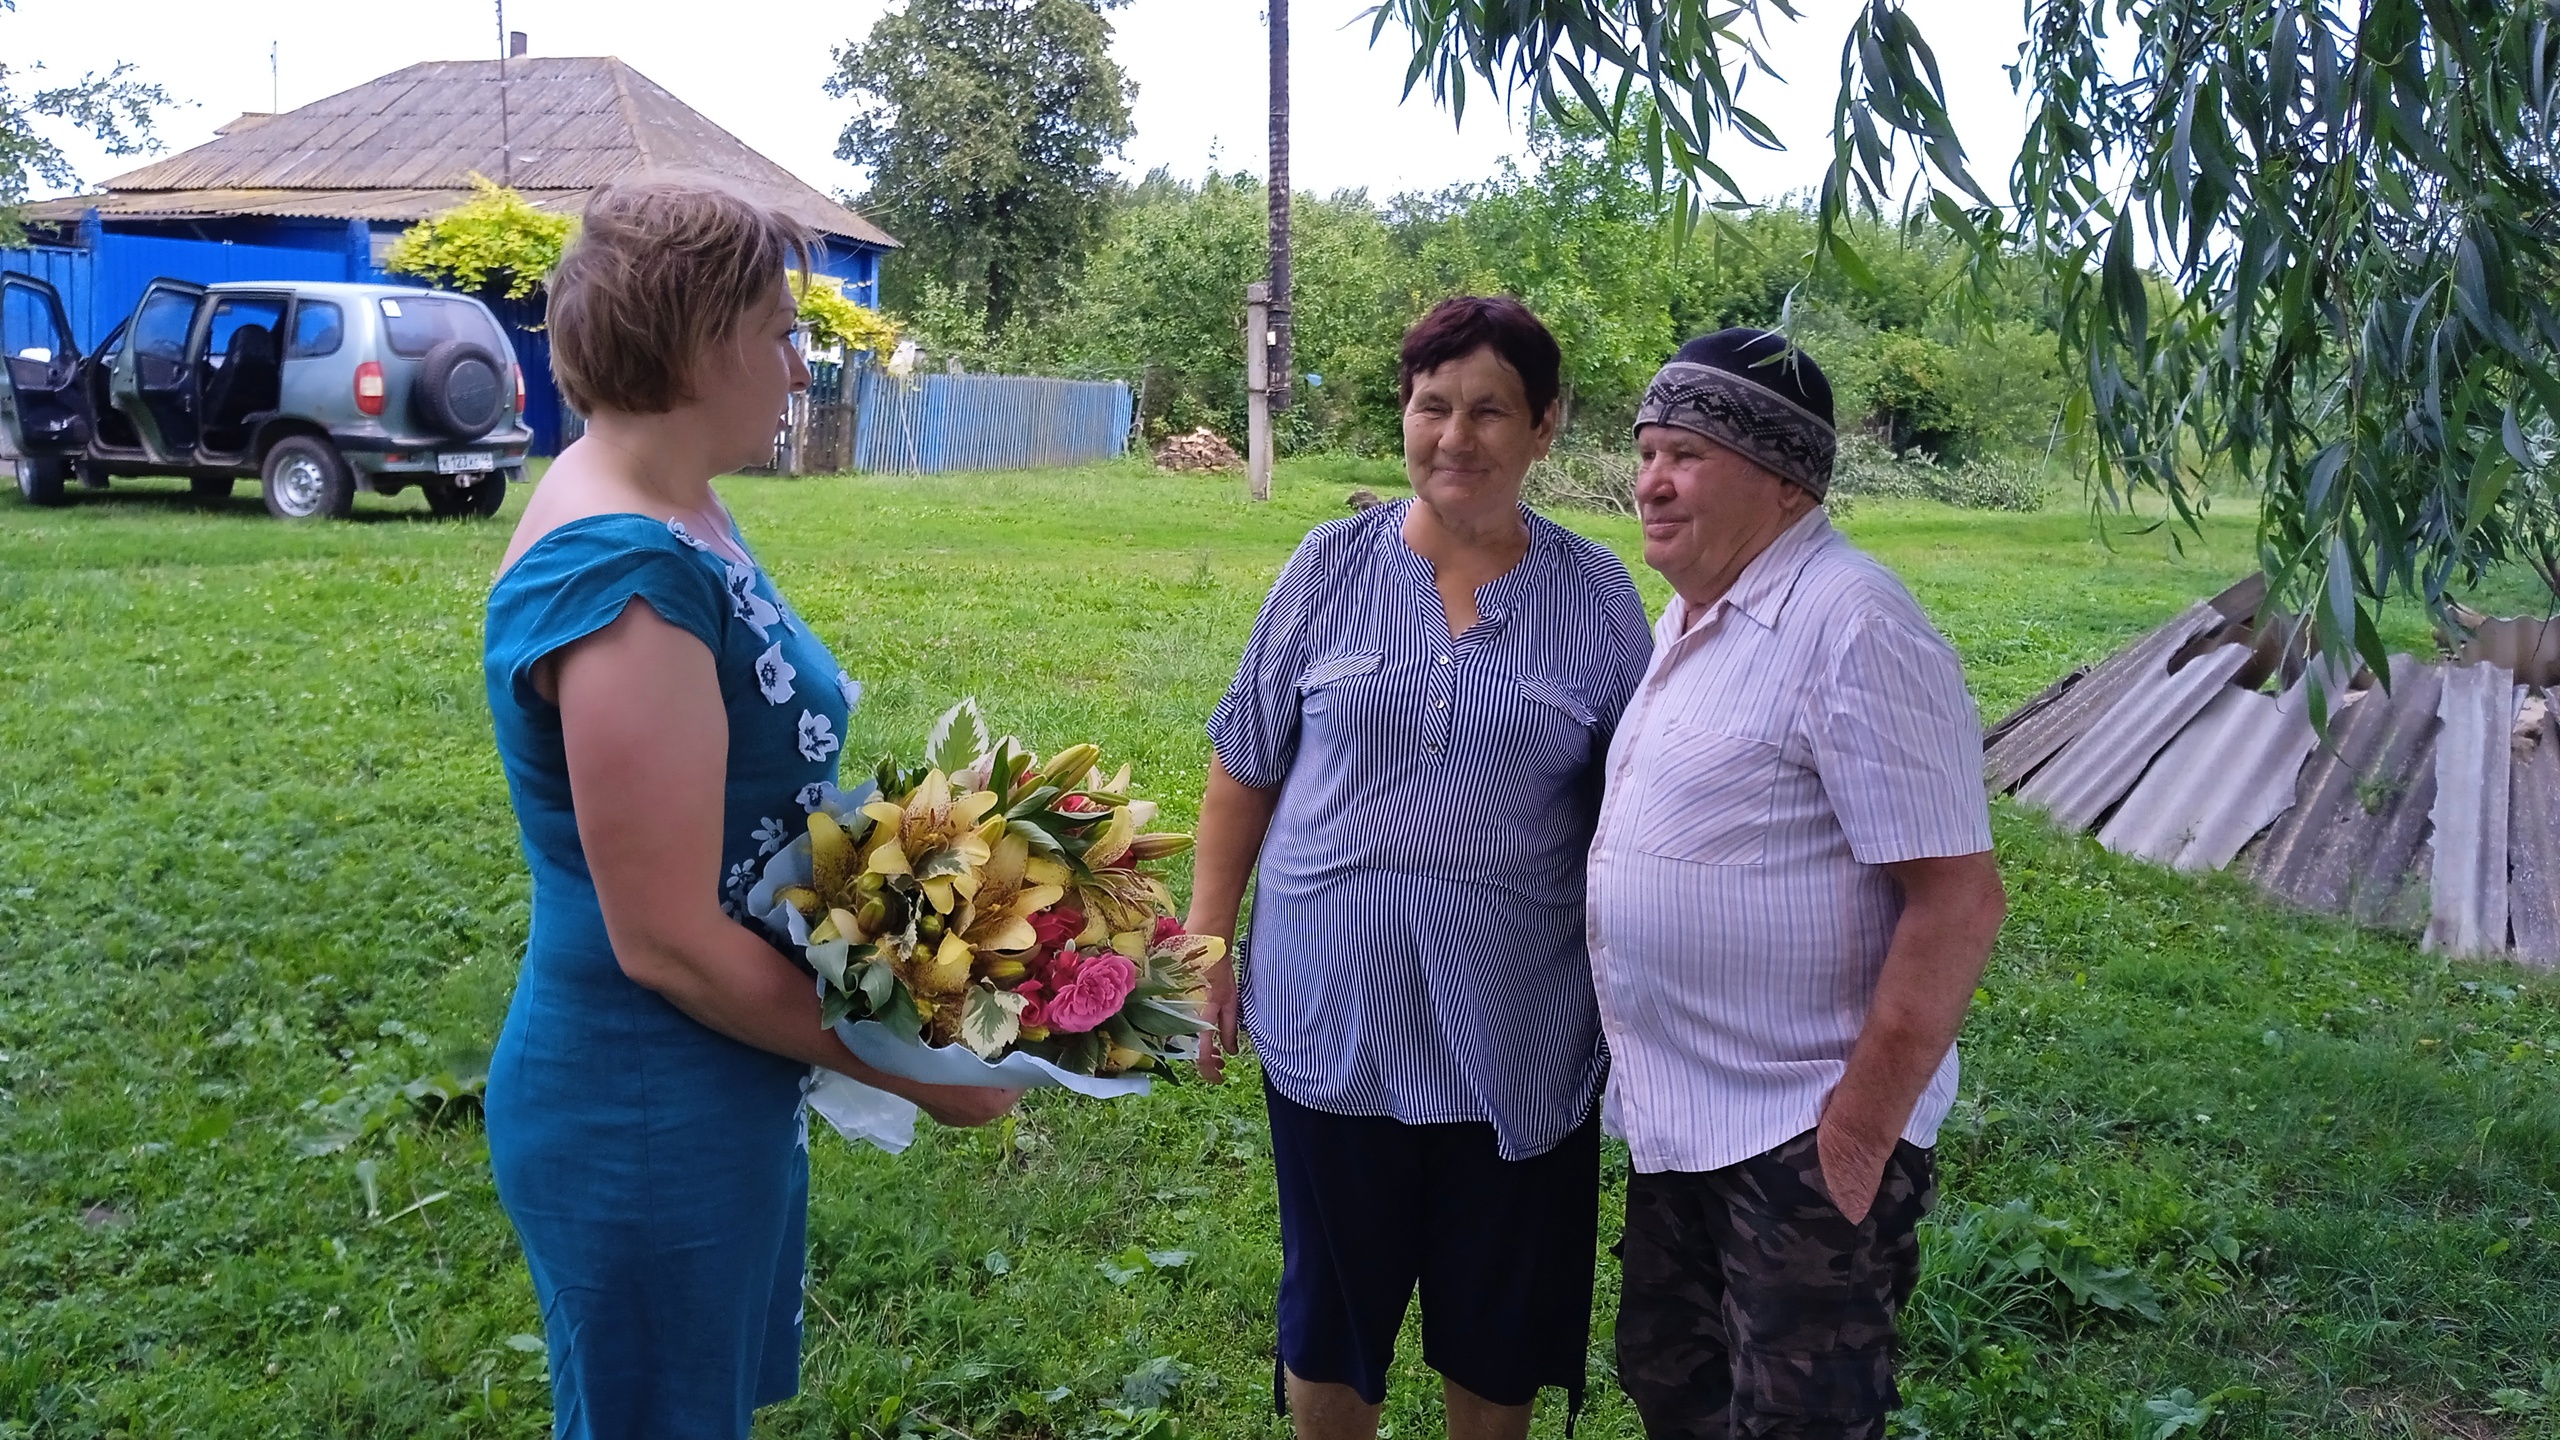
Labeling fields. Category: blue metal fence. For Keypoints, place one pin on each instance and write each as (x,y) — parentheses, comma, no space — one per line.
(100,284)
(935,423)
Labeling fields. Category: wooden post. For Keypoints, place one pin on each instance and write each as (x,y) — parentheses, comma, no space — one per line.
(1257,388)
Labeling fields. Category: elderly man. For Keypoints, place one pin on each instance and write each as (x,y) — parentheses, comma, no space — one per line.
(1792,895)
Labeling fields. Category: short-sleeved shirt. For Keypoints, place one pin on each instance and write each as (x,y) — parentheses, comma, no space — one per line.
(1807,728)
(1416,948)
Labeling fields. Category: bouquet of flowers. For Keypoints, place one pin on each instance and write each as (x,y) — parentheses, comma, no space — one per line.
(982,918)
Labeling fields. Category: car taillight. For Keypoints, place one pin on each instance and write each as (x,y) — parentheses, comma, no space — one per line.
(369,387)
(519,390)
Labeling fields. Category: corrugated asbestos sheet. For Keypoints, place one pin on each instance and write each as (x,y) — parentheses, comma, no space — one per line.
(2036,730)
(2533,827)
(2224,779)
(2433,807)
(570,123)
(2359,820)
(2468,912)
(2095,770)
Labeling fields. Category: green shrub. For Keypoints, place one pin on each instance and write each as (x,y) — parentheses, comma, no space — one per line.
(495,241)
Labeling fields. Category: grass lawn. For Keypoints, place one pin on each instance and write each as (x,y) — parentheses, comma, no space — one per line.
(2218,1170)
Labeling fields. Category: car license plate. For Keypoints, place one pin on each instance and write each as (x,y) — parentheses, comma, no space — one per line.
(465,462)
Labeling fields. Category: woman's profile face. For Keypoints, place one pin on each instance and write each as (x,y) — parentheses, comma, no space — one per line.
(1469,438)
(743,385)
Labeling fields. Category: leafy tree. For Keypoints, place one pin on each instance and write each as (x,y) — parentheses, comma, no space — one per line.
(114,109)
(985,125)
(835,318)
(2310,242)
(496,241)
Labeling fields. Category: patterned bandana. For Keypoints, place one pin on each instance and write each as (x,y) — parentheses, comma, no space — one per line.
(1758,423)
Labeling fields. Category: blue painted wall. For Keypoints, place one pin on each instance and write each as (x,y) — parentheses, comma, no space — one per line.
(102,275)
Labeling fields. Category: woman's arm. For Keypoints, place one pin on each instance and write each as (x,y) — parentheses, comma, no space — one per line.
(1233,819)
(648,748)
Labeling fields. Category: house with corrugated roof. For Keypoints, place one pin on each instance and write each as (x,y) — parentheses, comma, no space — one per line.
(320,193)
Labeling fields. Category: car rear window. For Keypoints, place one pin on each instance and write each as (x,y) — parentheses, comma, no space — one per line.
(416,324)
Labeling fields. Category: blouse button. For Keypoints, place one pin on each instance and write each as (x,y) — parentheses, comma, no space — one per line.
(1444,659)
(1439,704)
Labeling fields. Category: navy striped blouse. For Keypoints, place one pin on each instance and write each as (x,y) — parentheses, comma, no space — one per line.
(1417,940)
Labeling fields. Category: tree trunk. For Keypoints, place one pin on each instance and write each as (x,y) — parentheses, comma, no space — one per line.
(1283,361)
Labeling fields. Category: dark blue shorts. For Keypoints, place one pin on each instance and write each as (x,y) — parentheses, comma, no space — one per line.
(1502,1249)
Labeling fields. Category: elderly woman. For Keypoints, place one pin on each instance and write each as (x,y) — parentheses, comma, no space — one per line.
(1412,748)
(659,711)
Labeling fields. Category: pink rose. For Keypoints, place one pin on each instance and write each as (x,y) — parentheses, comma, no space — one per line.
(1035,1016)
(1166,928)
(1090,990)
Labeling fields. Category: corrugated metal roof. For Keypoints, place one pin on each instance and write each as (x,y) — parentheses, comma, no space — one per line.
(2037,730)
(2094,771)
(2353,841)
(2226,777)
(2533,835)
(318,204)
(571,123)
(2467,912)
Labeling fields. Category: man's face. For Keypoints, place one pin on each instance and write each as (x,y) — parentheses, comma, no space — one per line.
(1704,505)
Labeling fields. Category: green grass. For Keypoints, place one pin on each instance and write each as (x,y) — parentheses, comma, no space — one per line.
(255,853)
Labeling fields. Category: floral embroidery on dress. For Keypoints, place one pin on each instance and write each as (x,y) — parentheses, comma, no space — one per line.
(742,878)
(817,736)
(676,528)
(770,836)
(774,675)
(851,690)
(751,607)
(811,796)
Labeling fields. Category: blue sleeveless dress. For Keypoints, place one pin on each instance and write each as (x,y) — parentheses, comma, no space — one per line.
(657,1172)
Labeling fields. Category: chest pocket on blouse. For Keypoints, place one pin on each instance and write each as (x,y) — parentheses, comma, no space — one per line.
(1711,799)
(1556,735)
(1340,667)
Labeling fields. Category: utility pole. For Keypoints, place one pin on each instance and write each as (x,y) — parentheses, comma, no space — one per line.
(1257,388)
(1283,345)
(506,142)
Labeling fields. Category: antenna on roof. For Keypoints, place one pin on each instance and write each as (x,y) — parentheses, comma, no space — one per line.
(506,147)
(275,82)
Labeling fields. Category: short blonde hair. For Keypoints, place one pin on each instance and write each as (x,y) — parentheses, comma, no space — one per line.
(661,270)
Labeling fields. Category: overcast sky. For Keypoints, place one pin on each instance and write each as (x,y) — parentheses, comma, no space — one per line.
(756,67)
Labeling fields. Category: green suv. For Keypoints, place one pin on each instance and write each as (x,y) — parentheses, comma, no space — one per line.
(315,391)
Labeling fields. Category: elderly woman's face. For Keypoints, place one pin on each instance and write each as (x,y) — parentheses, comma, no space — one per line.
(743,385)
(1469,438)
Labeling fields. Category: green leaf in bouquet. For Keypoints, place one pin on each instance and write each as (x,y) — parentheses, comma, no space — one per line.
(1079,1054)
(1165,1019)
(958,738)
(899,1016)
(836,1006)
(830,958)
(990,1019)
(1031,802)
(878,982)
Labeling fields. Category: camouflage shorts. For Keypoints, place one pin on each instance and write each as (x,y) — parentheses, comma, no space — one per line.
(1751,1307)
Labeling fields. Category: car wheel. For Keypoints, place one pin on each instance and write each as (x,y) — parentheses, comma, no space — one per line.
(40,478)
(487,498)
(208,489)
(305,478)
(460,389)
(446,500)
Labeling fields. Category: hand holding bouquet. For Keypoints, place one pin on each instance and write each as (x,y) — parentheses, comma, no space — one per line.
(989,905)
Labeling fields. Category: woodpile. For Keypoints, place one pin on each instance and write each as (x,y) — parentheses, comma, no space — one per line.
(1200,452)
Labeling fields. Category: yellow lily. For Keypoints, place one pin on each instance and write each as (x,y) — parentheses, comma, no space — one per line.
(998,918)
(934,838)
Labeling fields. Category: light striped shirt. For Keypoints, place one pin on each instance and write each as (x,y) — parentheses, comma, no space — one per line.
(1416,948)
(1807,728)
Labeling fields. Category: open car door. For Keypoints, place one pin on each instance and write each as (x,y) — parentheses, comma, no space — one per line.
(44,417)
(153,382)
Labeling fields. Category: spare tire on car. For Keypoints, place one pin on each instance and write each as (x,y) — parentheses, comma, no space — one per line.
(460,390)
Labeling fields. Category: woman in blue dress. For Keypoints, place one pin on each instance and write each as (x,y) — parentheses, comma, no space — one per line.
(664,719)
